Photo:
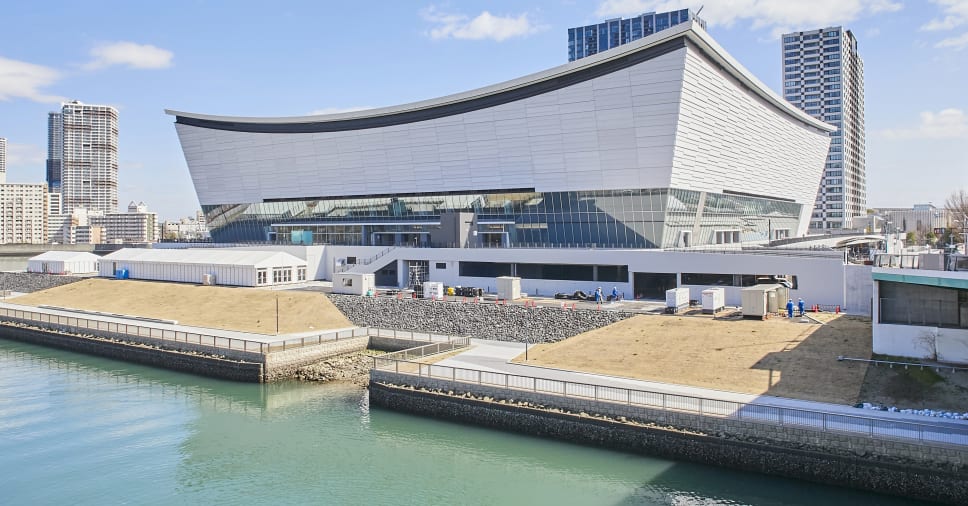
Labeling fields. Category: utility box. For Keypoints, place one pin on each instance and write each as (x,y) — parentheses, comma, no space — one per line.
(353,283)
(713,300)
(433,290)
(761,300)
(677,299)
(508,288)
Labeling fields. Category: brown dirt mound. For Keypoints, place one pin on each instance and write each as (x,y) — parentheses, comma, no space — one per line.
(241,309)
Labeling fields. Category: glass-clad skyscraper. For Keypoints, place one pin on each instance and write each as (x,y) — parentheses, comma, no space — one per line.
(592,39)
(669,144)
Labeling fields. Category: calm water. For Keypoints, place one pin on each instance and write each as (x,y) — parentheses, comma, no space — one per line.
(76,429)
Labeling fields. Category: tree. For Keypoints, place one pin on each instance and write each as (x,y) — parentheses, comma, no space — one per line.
(957,203)
(957,206)
(910,239)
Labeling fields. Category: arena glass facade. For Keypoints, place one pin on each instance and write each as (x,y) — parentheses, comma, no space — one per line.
(635,218)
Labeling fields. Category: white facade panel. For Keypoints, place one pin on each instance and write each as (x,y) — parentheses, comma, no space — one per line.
(585,124)
(728,139)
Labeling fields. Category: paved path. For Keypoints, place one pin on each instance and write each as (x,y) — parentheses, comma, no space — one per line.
(494,356)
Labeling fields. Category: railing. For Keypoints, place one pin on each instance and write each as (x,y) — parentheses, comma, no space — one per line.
(345,267)
(177,336)
(763,414)
(428,349)
(299,342)
(892,363)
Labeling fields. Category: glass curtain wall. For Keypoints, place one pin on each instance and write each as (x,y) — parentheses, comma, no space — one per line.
(643,218)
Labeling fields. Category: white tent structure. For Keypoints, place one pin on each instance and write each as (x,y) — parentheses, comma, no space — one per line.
(209,266)
(64,262)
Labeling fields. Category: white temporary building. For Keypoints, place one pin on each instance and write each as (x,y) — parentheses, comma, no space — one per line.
(209,266)
(64,262)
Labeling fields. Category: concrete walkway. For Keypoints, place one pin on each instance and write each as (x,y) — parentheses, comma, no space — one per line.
(495,356)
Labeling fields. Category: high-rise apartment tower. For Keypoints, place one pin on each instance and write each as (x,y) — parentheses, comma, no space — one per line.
(82,160)
(3,160)
(823,74)
(55,150)
(592,39)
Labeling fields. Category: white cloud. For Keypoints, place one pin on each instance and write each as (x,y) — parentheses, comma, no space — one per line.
(20,79)
(21,155)
(129,54)
(484,26)
(946,124)
(955,14)
(778,15)
(960,42)
(337,110)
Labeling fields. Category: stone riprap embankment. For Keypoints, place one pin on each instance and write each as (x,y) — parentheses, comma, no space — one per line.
(27,282)
(478,320)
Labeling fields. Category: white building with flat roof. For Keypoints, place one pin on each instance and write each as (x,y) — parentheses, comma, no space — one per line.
(235,267)
(23,213)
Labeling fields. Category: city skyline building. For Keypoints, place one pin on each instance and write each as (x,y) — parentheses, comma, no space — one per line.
(82,163)
(3,160)
(823,74)
(592,39)
(23,213)
(55,151)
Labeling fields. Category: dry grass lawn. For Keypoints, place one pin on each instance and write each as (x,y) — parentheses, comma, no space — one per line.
(241,309)
(776,357)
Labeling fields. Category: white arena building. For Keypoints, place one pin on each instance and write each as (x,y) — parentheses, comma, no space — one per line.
(576,176)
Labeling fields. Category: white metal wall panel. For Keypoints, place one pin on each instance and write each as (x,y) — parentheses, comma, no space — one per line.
(728,139)
(613,132)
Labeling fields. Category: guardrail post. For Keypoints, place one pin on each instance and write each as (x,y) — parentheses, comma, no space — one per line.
(596,392)
(628,393)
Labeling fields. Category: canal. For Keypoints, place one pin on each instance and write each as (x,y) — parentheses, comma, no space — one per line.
(85,430)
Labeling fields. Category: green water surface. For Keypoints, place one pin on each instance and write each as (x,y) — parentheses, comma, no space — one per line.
(76,429)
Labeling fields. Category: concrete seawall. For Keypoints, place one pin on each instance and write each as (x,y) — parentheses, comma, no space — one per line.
(204,365)
(194,358)
(849,445)
(785,460)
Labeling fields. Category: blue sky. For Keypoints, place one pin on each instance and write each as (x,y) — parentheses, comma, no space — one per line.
(295,58)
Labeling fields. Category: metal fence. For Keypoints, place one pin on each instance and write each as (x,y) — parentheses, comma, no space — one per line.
(428,349)
(176,336)
(824,422)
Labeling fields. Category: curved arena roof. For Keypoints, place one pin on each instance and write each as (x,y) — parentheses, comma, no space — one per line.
(528,86)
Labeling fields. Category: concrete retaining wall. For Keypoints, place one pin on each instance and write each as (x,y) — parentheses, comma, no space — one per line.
(204,365)
(841,443)
(483,321)
(391,344)
(283,364)
(817,466)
